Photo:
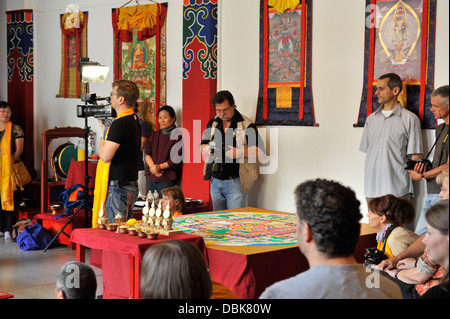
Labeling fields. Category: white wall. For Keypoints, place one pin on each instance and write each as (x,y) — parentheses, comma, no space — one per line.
(330,151)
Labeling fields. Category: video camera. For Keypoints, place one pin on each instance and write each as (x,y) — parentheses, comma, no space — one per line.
(92,109)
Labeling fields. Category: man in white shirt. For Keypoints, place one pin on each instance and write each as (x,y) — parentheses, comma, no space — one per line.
(392,134)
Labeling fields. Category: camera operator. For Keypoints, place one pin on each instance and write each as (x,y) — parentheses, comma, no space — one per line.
(232,147)
(117,171)
(439,106)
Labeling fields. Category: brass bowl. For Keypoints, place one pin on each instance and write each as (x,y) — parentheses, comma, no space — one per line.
(132,231)
(123,230)
(111,227)
(102,226)
(152,235)
(141,234)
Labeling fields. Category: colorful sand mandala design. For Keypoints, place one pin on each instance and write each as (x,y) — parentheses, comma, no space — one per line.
(240,229)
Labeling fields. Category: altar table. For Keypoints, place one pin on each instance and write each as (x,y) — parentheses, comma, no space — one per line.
(248,269)
(121,257)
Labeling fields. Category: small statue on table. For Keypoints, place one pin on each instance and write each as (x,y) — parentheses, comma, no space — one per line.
(168,220)
(159,218)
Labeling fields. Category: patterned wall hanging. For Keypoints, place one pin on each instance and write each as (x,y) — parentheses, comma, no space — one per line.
(73,46)
(140,52)
(285,94)
(21,76)
(399,38)
(199,87)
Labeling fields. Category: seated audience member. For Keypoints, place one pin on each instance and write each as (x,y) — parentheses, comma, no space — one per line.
(388,214)
(328,231)
(416,276)
(174,270)
(442,180)
(436,240)
(76,281)
(175,198)
(417,248)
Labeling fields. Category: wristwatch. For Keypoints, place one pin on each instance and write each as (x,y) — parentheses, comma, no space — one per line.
(423,177)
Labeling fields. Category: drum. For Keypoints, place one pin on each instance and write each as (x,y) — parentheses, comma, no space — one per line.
(62,157)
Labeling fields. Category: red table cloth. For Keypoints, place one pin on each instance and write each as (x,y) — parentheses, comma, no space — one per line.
(121,257)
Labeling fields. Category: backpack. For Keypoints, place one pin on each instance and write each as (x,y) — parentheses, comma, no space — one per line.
(34,237)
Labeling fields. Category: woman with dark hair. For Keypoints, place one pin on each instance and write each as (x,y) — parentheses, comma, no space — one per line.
(436,240)
(164,152)
(12,141)
(388,215)
(174,270)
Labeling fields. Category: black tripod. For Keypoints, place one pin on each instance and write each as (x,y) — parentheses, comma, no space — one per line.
(85,200)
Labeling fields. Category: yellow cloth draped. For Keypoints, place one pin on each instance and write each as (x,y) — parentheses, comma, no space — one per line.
(6,170)
(102,179)
(138,17)
(283,5)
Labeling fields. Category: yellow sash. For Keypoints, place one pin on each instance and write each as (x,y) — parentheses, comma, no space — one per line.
(387,251)
(6,170)
(102,179)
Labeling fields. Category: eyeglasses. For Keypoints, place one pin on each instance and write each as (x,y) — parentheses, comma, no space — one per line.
(112,93)
(223,111)
(5,112)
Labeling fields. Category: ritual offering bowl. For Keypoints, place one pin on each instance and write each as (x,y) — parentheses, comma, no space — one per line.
(101,226)
(132,231)
(152,235)
(142,234)
(111,227)
(123,229)
(56,208)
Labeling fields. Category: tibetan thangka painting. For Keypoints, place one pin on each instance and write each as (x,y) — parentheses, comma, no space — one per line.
(140,53)
(73,46)
(285,96)
(400,37)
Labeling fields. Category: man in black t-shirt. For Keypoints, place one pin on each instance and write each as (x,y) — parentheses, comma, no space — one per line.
(439,107)
(122,149)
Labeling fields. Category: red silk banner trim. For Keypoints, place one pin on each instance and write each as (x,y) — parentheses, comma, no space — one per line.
(424,62)
(266,62)
(65,68)
(371,61)
(77,40)
(158,66)
(303,62)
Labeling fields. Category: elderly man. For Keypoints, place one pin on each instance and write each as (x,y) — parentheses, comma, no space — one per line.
(439,106)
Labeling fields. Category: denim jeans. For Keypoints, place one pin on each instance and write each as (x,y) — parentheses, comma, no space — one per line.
(227,194)
(118,199)
(159,186)
(421,224)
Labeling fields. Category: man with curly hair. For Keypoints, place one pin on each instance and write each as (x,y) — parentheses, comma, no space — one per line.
(328,231)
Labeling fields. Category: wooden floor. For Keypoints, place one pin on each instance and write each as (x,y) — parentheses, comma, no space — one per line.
(32,274)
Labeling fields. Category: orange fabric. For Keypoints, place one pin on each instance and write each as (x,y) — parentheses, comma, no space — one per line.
(74,196)
(220,291)
(6,170)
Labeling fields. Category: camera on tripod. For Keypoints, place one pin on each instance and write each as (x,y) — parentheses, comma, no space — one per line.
(92,109)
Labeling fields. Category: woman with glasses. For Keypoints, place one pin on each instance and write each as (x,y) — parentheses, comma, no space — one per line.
(12,141)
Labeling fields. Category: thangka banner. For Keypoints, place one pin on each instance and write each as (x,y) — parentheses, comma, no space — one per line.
(285,94)
(140,50)
(73,46)
(20,63)
(399,38)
